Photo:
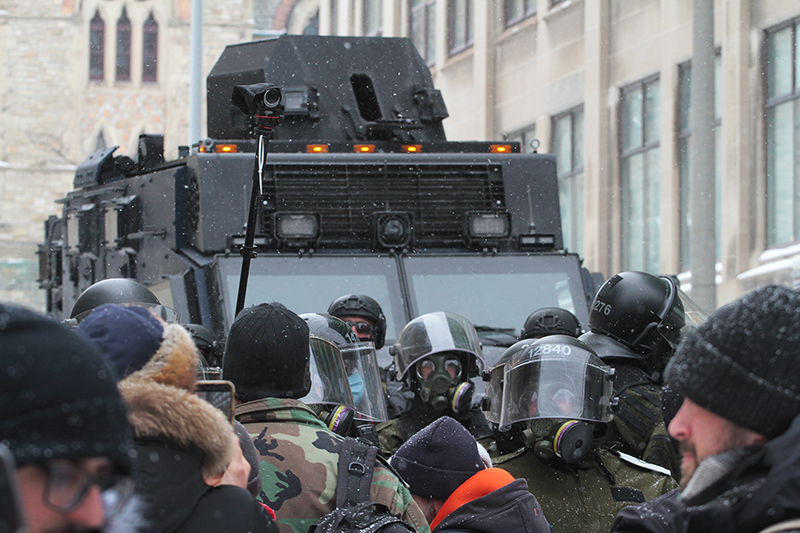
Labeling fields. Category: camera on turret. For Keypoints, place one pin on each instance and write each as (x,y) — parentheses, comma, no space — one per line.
(261,102)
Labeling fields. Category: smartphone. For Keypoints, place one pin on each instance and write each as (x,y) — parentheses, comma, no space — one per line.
(218,393)
(11,516)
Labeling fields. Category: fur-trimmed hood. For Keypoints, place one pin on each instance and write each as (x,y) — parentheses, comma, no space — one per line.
(158,411)
(175,362)
(162,405)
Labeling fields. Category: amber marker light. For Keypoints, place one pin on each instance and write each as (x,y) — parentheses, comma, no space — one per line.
(316,148)
(500,148)
(412,148)
(226,148)
(364,148)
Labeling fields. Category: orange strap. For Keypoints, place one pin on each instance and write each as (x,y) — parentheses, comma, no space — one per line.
(481,484)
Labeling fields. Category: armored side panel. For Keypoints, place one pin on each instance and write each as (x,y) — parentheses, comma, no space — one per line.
(335,88)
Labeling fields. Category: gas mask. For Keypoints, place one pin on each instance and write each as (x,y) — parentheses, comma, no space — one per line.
(571,440)
(440,378)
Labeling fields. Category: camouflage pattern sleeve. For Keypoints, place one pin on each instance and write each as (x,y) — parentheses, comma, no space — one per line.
(390,491)
(390,436)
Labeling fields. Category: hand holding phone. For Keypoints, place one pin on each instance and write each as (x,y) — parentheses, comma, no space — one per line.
(218,393)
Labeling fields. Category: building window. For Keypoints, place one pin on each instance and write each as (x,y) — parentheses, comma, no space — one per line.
(372,18)
(97,47)
(568,147)
(150,50)
(526,137)
(124,47)
(639,161)
(423,28)
(685,160)
(783,135)
(517,10)
(460,34)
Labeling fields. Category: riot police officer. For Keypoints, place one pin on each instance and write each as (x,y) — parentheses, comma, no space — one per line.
(550,321)
(363,314)
(355,414)
(435,354)
(635,323)
(549,402)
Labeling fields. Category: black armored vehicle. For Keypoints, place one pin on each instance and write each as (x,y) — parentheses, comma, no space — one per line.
(361,193)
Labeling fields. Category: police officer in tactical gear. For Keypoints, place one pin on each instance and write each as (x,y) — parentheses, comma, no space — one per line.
(358,375)
(436,354)
(363,314)
(636,322)
(119,291)
(550,321)
(549,401)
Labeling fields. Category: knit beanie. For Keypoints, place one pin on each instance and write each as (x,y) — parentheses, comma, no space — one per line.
(742,362)
(128,335)
(267,354)
(438,459)
(58,396)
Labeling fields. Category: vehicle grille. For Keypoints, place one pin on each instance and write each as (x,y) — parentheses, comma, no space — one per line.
(347,195)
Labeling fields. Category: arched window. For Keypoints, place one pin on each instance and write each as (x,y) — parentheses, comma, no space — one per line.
(150,50)
(97,46)
(124,47)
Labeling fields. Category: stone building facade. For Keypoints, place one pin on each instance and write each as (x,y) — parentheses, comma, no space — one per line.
(61,98)
(605,85)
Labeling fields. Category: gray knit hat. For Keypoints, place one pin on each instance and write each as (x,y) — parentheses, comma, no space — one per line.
(742,363)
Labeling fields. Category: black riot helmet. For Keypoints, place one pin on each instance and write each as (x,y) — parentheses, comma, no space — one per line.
(362,306)
(551,321)
(208,345)
(639,310)
(119,291)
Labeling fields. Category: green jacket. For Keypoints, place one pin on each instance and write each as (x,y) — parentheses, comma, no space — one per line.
(584,498)
(299,459)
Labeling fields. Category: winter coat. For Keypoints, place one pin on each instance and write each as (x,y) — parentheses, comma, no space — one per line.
(491,501)
(179,437)
(745,490)
(300,463)
(586,497)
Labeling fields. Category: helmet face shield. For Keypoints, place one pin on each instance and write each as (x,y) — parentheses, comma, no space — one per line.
(363,374)
(329,384)
(556,381)
(435,333)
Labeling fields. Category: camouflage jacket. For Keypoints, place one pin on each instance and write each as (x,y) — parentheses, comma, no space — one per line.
(299,460)
(584,498)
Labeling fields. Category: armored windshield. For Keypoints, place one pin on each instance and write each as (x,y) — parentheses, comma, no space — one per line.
(494,292)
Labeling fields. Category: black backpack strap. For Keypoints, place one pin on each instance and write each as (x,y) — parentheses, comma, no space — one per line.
(356,466)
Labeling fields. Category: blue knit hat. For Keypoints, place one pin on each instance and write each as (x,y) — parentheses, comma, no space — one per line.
(128,335)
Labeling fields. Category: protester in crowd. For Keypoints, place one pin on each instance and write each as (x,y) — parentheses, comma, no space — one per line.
(191,472)
(267,358)
(452,480)
(738,425)
(63,420)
